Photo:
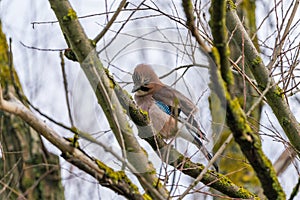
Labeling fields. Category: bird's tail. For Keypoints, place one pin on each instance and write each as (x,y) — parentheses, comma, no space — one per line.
(205,152)
(191,136)
(193,128)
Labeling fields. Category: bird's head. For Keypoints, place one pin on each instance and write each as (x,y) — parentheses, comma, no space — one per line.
(145,80)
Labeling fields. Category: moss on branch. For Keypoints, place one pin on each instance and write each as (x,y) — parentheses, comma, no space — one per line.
(247,139)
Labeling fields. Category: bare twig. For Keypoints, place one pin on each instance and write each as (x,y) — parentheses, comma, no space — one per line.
(190,22)
(40,49)
(99,79)
(66,87)
(122,26)
(262,76)
(110,22)
(14,106)
(278,47)
(295,190)
(181,67)
(217,154)
(284,160)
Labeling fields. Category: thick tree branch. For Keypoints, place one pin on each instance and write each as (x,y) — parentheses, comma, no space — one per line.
(22,148)
(117,181)
(171,156)
(275,95)
(248,140)
(85,53)
(178,160)
(83,50)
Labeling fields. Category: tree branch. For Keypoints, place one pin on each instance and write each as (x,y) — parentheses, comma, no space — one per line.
(117,181)
(110,22)
(171,156)
(84,50)
(275,95)
(244,135)
(92,67)
(190,23)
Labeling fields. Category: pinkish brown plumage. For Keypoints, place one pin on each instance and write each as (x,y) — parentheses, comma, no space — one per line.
(149,90)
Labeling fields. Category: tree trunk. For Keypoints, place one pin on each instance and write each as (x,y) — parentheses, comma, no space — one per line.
(27,169)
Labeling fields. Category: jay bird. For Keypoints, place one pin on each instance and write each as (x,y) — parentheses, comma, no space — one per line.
(164,104)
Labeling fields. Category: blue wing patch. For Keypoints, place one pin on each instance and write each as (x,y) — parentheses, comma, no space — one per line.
(163,107)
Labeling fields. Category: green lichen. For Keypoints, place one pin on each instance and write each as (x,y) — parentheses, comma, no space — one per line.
(257,61)
(146,197)
(229,76)
(245,194)
(157,184)
(4,73)
(257,142)
(130,149)
(122,176)
(279,92)
(70,16)
(235,109)
(74,141)
(93,43)
(27,182)
(276,185)
(128,128)
(143,112)
(153,171)
(246,134)
(117,176)
(224,180)
(216,56)
(139,116)
(7,71)
(241,192)
(111,83)
(108,171)
(150,169)
(113,107)
(231,5)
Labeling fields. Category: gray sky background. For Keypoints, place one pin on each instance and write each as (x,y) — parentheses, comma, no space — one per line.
(40,74)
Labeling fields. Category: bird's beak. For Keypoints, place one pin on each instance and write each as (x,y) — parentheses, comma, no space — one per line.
(136,88)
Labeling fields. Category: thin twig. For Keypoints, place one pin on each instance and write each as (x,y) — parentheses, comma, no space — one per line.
(180,67)
(110,22)
(83,17)
(198,179)
(259,100)
(278,47)
(250,81)
(190,22)
(14,106)
(122,26)
(66,87)
(40,49)
(295,190)
(244,73)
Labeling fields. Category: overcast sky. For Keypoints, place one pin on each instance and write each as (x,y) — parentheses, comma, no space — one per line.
(40,74)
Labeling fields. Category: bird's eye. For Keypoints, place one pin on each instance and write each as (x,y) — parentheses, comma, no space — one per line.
(145,89)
